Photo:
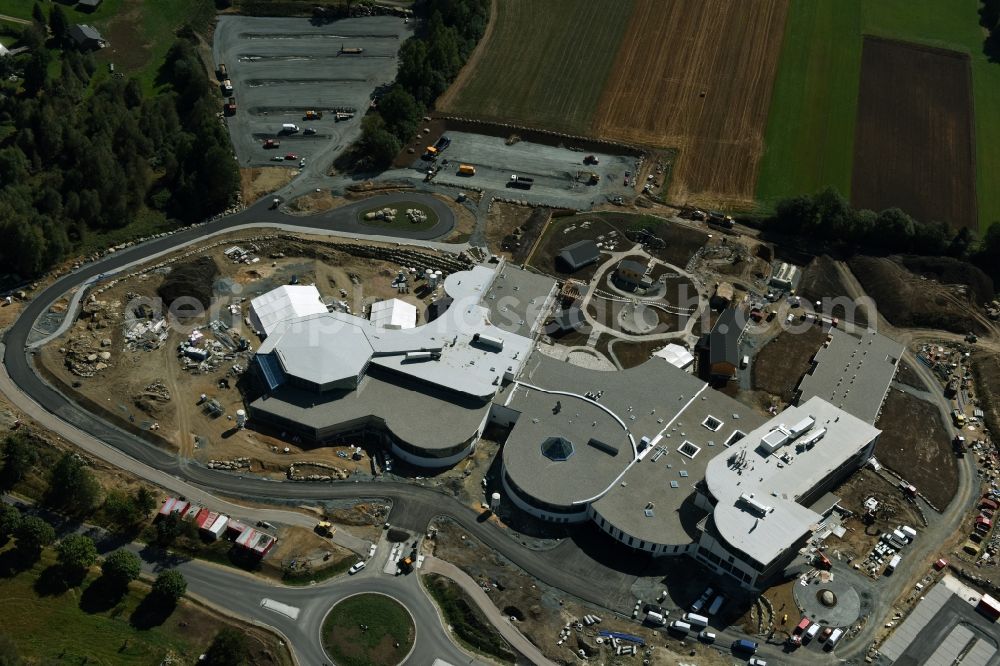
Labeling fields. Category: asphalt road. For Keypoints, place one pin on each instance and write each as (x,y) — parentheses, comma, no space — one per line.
(241,595)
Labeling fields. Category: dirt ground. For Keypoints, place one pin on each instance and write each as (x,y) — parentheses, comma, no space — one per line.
(914,138)
(908,300)
(680,241)
(547,611)
(153,391)
(780,365)
(893,511)
(258,181)
(697,75)
(501,223)
(986,370)
(915,445)
(821,279)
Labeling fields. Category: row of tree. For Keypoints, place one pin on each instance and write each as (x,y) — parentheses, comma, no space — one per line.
(989,18)
(826,217)
(73,491)
(428,63)
(87,157)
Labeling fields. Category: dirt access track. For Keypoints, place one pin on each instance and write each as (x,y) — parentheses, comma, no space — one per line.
(697,75)
(913,145)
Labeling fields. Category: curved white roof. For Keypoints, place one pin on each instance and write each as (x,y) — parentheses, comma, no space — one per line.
(286,302)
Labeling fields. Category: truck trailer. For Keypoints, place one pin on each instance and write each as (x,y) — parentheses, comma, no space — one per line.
(523,182)
(466,170)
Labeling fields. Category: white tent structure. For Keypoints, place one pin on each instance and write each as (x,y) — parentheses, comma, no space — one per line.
(675,355)
(394,313)
(285,302)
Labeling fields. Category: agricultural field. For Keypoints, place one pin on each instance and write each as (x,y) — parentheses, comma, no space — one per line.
(814,108)
(541,64)
(689,75)
(913,142)
(696,75)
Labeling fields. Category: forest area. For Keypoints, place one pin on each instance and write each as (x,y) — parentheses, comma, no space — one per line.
(80,160)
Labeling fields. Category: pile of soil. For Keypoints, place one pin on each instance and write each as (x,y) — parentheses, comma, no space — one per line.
(906,300)
(191,279)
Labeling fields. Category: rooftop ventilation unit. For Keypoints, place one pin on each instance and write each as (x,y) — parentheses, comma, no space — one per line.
(775,439)
(810,439)
(757,508)
(489,341)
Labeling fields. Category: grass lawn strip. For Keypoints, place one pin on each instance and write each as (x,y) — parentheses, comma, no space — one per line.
(388,624)
(467,622)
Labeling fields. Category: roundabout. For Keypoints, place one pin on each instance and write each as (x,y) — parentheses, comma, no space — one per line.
(368,629)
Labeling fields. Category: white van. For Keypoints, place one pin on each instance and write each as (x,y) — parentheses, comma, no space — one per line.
(707,636)
(832,640)
(655,619)
(680,627)
(716,604)
(812,631)
(696,620)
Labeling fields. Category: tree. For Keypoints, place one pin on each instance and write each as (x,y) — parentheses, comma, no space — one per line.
(168,529)
(170,585)
(38,15)
(33,534)
(58,23)
(122,566)
(400,112)
(19,456)
(72,487)
(77,552)
(121,509)
(989,14)
(228,649)
(10,520)
(145,501)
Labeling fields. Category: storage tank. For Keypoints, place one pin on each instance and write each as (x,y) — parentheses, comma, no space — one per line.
(495,502)
(241,418)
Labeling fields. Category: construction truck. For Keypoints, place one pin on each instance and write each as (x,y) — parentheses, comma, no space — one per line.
(594,179)
(466,170)
(958,445)
(406,564)
(430,153)
(227,87)
(222,73)
(522,182)
(230,108)
(325,528)
(313,115)
(591,159)
(343,115)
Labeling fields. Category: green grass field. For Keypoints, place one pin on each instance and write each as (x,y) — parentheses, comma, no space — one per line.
(388,624)
(54,626)
(810,133)
(546,63)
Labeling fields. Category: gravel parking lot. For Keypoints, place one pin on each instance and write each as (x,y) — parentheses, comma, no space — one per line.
(560,174)
(282,67)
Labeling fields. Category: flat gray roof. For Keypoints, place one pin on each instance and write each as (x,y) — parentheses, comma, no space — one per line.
(853,371)
(425,418)
(518,299)
(774,481)
(939,629)
(674,516)
(623,407)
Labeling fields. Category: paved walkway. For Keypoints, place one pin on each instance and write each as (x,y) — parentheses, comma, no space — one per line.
(493,614)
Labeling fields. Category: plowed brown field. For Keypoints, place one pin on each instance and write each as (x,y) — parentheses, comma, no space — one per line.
(697,75)
(913,145)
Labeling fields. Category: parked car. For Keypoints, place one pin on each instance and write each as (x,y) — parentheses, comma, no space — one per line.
(357,567)
(309,130)
(291,156)
(277,158)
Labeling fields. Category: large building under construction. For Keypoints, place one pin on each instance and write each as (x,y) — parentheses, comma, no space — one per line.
(652,455)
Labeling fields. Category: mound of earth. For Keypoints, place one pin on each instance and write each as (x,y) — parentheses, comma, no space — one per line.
(906,300)
(192,279)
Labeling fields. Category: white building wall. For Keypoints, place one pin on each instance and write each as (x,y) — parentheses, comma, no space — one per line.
(421,461)
(538,513)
